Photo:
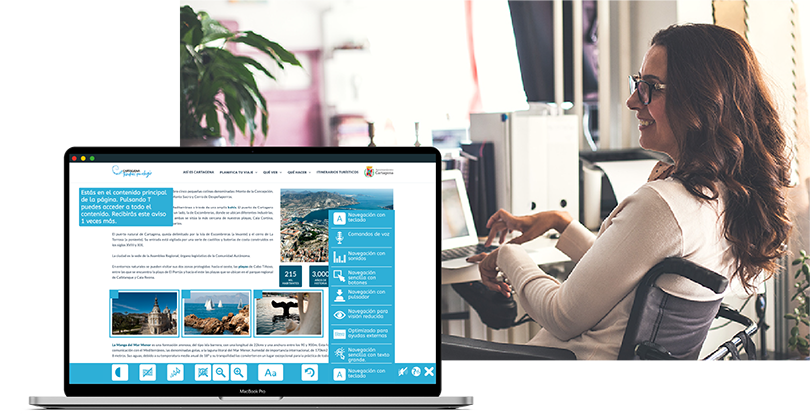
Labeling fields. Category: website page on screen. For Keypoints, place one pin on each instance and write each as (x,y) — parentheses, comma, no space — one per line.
(251,272)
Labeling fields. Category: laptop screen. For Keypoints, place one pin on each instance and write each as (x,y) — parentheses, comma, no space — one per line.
(239,271)
(457,228)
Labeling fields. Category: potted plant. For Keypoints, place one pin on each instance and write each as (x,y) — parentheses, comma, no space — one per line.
(214,81)
(802,311)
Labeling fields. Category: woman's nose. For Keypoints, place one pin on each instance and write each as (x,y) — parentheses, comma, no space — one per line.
(633,103)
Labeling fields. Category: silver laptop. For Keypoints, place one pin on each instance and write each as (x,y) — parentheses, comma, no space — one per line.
(251,277)
(460,237)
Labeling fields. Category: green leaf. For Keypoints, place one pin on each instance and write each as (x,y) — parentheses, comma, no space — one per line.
(802,342)
(255,64)
(212,121)
(231,130)
(264,122)
(190,26)
(272,49)
(803,253)
(798,292)
(794,331)
(234,106)
(230,66)
(796,262)
(284,54)
(212,29)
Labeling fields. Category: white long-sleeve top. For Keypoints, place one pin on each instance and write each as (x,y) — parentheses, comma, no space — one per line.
(588,312)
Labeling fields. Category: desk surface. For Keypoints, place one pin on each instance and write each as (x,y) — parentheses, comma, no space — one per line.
(542,250)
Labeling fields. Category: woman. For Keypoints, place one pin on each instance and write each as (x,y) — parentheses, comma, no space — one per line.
(700,97)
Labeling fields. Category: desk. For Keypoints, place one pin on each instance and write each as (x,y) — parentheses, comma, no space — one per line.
(541,250)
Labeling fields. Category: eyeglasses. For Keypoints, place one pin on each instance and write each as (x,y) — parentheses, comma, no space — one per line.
(644,88)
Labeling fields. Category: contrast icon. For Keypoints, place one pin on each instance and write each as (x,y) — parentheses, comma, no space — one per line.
(120,372)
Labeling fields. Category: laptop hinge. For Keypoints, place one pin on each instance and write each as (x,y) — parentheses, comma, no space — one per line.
(258,398)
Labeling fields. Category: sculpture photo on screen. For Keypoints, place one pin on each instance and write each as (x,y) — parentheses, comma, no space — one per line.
(289,314)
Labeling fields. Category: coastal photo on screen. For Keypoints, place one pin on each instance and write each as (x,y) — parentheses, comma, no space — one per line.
(304,223)
(288,314)
(143,313)
(216,313)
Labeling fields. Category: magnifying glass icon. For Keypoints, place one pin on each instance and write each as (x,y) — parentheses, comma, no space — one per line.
(238,372)
(220,373)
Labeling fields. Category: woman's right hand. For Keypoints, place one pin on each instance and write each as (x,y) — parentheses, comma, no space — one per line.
(532,226)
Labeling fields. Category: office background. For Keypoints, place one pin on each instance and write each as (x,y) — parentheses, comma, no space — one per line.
(423,51)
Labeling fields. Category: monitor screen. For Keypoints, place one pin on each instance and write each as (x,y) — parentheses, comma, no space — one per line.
(233,269)
(453,215)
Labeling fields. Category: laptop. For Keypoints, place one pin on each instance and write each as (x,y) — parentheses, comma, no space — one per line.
(460,237)
(251,277)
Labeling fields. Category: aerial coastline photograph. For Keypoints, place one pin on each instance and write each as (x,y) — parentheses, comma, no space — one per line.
(304,224)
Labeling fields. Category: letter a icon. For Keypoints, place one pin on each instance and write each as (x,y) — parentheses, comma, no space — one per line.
(339,218)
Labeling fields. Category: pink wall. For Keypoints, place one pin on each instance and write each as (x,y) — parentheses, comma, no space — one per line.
(294,115)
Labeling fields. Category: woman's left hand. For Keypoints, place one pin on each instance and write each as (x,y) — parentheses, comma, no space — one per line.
(488,267)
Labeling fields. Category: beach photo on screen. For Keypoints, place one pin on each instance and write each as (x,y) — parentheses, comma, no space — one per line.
(216,313)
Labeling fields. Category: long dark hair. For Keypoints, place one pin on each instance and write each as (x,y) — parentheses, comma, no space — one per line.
(728,133)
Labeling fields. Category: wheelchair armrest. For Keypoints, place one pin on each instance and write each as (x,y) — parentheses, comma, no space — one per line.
(462,348)
(687,269)
(729,313)
(652,351)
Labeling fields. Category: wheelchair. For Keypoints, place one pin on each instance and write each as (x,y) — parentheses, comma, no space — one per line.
(658,370)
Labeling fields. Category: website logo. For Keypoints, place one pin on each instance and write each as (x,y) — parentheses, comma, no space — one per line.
(116,170)
(371,171)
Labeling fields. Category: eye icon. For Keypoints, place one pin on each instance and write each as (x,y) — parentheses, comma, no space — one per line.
(340,315)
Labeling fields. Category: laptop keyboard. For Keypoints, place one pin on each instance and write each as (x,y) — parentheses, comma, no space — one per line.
(466,251)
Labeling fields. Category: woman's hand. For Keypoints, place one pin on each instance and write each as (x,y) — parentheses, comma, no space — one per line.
(488,267)
(502,223)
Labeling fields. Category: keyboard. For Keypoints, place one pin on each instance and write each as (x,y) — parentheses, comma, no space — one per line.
(466,251)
